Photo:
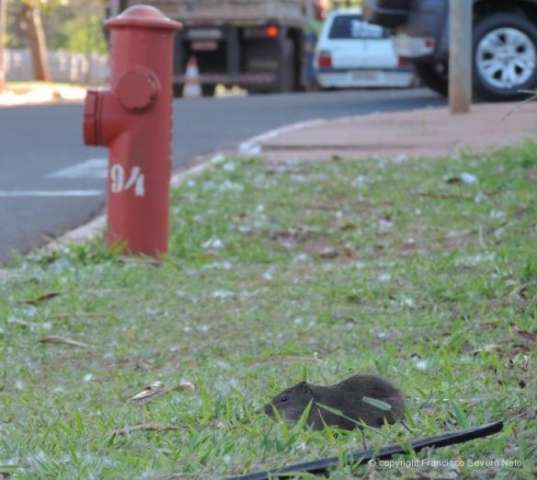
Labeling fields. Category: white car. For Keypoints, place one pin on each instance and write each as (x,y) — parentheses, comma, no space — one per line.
(352,53)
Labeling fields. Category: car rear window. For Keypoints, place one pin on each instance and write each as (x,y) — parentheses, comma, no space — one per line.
(354,27)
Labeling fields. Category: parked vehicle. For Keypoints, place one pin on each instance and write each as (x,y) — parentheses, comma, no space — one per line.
(504,42)
(260,45)
(353,53)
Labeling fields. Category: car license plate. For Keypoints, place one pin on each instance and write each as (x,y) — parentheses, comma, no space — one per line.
(204,34)
(370,76)
(204,45)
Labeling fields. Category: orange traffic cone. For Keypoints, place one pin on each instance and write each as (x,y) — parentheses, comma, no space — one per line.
(192,87)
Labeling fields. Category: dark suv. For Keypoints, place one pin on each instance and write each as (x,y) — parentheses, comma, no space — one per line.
(504,43)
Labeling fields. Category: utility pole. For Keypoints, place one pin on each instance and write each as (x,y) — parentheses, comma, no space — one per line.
(460,55)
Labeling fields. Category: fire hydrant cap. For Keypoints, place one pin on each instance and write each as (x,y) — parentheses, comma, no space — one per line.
(137,89)
(143,16)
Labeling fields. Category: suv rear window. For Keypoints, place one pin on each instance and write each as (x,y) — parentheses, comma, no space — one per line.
(345,27)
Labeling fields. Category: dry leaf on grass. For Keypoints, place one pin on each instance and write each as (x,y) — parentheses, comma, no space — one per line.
(42,298)
(443,196)
(521,361)
(530,336)
(149,392)
(489,348)
(186,385)
(463,178)
(146,427)
(346,226)
(20,323)
(158,389)
(64,341)
(328,254)
(286,359)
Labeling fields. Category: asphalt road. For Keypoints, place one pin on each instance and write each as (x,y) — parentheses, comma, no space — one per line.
(50,182)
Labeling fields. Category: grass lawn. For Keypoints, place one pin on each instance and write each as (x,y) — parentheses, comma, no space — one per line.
(277,274)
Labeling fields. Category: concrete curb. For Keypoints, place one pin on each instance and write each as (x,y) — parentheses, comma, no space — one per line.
(253,145)
(249,147)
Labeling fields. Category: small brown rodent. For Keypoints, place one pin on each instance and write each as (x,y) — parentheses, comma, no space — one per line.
(346,397)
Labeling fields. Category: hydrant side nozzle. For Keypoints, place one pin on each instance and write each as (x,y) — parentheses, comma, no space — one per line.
(91,121)
(104,118)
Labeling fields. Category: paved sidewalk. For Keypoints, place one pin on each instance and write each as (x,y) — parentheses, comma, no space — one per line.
(41,94)
(422,133)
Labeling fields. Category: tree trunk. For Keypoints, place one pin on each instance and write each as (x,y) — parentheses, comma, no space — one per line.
(3,23)
(37,42)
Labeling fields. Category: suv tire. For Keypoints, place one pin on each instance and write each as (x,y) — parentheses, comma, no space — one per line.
(431,77)
(504,57)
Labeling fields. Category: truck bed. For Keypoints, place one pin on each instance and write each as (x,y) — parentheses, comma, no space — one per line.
(229,11)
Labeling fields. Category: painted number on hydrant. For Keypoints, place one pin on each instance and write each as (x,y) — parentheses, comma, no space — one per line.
(136,180)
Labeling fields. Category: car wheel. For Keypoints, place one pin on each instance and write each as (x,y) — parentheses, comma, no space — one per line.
(433,76)
(505,57)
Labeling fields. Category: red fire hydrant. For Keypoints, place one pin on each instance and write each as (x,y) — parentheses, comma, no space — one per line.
(133,120)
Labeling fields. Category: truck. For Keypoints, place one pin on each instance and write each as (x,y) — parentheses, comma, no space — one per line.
(260,45)
(504,55)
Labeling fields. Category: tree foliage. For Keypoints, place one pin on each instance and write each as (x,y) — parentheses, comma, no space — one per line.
(74,25)
(84,34)
(45,5)
(3,24)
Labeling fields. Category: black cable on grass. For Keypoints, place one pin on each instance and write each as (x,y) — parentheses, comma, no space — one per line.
(364,456)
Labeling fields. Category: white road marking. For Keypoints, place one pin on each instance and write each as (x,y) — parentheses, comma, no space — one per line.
(49,193)
(93,168)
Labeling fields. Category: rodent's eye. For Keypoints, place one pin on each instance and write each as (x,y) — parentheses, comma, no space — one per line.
(284,398)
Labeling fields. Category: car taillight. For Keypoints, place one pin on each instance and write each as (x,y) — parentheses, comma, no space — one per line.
(324,60)
(403,62)
(272,31)
(430,43)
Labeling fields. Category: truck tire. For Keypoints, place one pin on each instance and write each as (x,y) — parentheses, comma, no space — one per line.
(431,77)
(287,73)
(208,90)
(505,56)
(178,90)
